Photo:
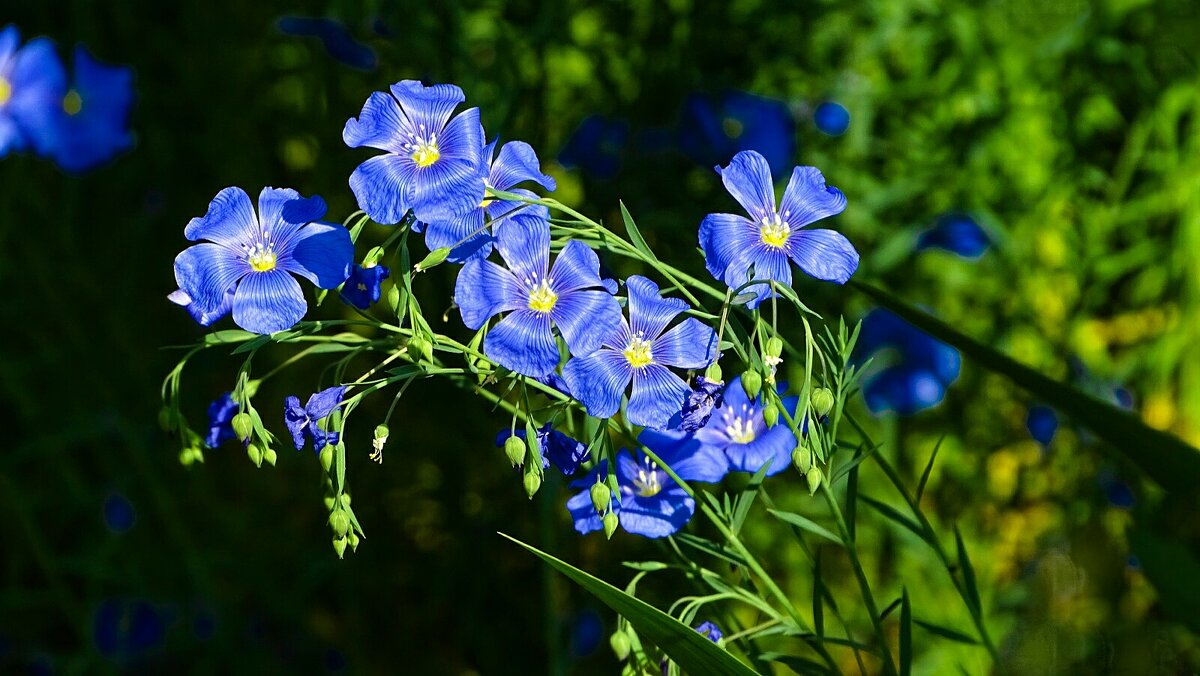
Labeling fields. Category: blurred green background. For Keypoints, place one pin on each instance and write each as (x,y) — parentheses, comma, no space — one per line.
(1068,129)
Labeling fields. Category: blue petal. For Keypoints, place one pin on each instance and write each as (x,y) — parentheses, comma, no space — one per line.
(904,390)
(1042,423)
(577,267)
(523,342)
(203,318)
(466,234)
(206,272)
(220,416)
(324,402)
(586,319)
(768,263)
(10,37)
(100,129)
(775,446)
(295,417)
(691,344)
(807,199)
(699,462)
(454,183)
(583,513)
(516,163)
(659,516)
(657,395)
(748,179)
(823,254)
(281,212)
(229,221)
(957,233)
(524,244)
(649,313)
(598,381)
(379,125)
(38,82)
(565,453)
(429,107)
(725,239)
(321,253)
(383,187)
(266,302)
(485,289)
(363,286)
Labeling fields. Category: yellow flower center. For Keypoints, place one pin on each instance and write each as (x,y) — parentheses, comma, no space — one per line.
(423,149)
(72,102)
(261,257)
(487,201)
(5,91)
(775,231)
(638,353)
(739,428)
(542,298)
(646,484)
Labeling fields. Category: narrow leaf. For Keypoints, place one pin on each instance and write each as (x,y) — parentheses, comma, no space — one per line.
(968,571)
(928,469)
(800,665)
(818,587)
(711,548)
(945,632)
(807,524)
(905,634)
(635,235)
(893,515)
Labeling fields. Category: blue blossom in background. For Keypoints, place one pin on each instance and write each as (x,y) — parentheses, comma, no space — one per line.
(737,429)
(220,420)
(699,404)
(362,287)
(334,37)
(432,160)
(32,84)
(119,515)
(255,257)
(639,351)
(957,233)
(738,249)
(570,296)
(710,631)
(1117,492)
(181,298)
(832,118)
(649,502)
(713,130)
(90,123)
(516,163)
(127,630)
(306,419)
(558,449)
(596,146)
(918,376)
(1042,423)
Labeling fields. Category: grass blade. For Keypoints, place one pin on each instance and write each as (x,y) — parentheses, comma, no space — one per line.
(807,524)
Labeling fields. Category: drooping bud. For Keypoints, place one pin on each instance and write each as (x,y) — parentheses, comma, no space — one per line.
(619,642)
(514,448)
(373,257)
(339,546)
(270,456)
(329,502)
(610,524)
(243,426)
(255,453)
(802,458)
(601,497)
(166,419)
(533,481)
(381,432)
(416,348)
(427,350)
(771,414)
(346,500)
(774,347)
(822,401)
(340,523)
(814,479)
(251,388)
(752,383)
(327,457)
(435,258)
(353,538)
(713,373)
(393,298)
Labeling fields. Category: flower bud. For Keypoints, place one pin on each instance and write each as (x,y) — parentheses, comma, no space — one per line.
(619,642)
(243,426)
(255,453)
(533,481)
(339,546)
(373,257)
(771,414)
(416,348)
(393,298)
(427,350)
(166,419)
(270,456)
(186,457)
(774,347)
(601,497)
(802,458)
(329,502)
(353,538)
(327,457)
(381,432)
(514,448)
(435,258)
(822,401)
(814,479)
(610,524)
(340,523)
(713,373)
(251,388)
(345,500)
(752,383)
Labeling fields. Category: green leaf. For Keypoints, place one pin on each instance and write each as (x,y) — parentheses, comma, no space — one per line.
(928,468)
(1173,571)
(695,654)
(1166,459)
(801,665)
(905,634)
(807,524)
(892,514)
(709,547)
(745,500)
(968,571)
(818,584)
(229,336)
(635,235)
(945,632)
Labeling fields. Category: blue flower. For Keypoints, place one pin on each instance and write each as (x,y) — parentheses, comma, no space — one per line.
(181,298)
(832,118)
(570,296)
(733,244)
(1042,423)
(334,37)
(220,420)
(596,146)
(253,256)
(712,131)
(127,630)
(467,233)
(957,233)
(301,419)
(640,351)
(89,124)
(119,514)
(711,631)
(32,84)
(558,449)
(649,502)
(737,429)
(698,407)
(432,161)
(922,369)
(362,286)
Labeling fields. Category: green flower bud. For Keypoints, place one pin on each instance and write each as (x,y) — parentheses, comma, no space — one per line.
(822,401)
(327,457)
(393,298)
(255,453)
(802,458)
(814,479)
(435,258)
(514,448)
(381,432)
(340,523)
(339,546)
(620,644)
(771,414)
(752,383)
(243,426)
(601,497)
(533,481)
(166,419)
(270,456)
(186,458)
(610,524)
(329,502)
(416,348)
(353,538)
(345,499)
(251,388)
(774,347)
(427,350)
(713,374)
(373,257)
